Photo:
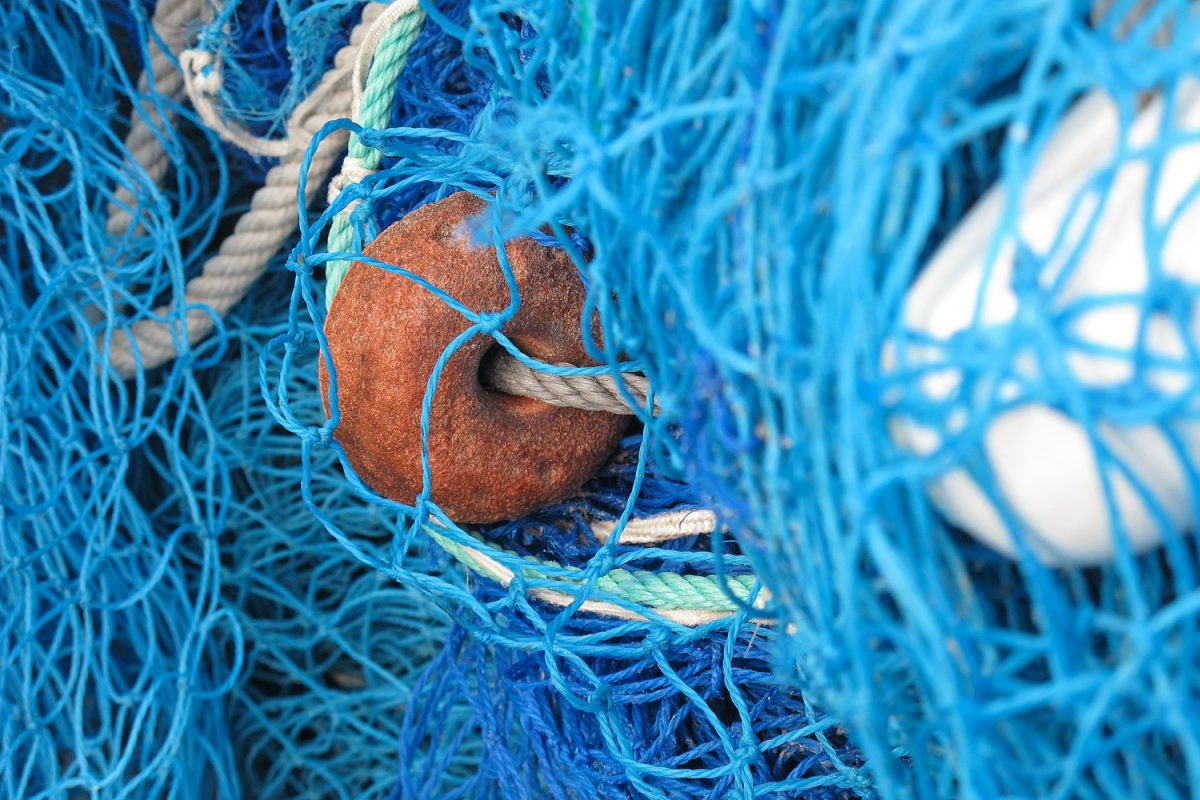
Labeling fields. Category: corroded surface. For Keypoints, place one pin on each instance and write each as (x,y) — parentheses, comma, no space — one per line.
(491,456)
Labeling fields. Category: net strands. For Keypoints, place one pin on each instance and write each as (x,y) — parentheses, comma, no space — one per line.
(417,172)
(128,507)
(761,279)
(217,645)
(554,729)
(757,283)
(173,624)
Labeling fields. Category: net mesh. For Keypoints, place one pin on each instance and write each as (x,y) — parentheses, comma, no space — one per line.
(202,601)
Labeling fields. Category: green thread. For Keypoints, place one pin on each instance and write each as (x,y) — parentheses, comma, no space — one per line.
(665,591)
(378,95)
(585,13)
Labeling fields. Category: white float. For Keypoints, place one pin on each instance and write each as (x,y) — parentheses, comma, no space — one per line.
(1025,442)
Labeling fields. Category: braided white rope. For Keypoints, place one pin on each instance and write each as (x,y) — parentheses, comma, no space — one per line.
(371,41)
(483,564)
(592,392)
(203,76)
(272,218)
(658,528)
(353,170)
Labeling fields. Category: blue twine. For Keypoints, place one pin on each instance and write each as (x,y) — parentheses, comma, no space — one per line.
(761,183)
(536,745)
(334,645)
(273,54)
(620,707)
(108,653)
(175,622)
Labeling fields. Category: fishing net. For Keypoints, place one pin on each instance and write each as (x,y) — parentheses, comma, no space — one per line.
(176,624)
(202,599)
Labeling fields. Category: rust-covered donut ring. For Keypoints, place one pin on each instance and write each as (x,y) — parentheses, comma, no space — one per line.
(492,456)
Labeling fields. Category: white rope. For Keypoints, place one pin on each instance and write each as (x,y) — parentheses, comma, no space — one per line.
(371,41)
(659,528)
(591,392)
(272,218)
(353,170)
(489,567)
(203,77)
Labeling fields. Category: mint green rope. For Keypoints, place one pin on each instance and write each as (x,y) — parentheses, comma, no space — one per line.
(665,591)
(378,95)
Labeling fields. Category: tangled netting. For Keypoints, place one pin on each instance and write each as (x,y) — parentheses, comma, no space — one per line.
(175,624)
(200,599)
(271,55)
(566,702)
(761,183)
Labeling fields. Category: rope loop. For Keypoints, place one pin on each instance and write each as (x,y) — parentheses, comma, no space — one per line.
(203,79)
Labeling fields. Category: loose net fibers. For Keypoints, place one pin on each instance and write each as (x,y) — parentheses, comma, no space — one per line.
(761,184)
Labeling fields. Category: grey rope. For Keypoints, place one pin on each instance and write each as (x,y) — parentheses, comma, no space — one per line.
(505,374)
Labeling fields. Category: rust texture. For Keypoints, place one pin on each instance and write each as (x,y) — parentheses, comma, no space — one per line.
(492,456)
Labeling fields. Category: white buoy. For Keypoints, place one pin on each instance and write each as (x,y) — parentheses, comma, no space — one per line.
(1030,448)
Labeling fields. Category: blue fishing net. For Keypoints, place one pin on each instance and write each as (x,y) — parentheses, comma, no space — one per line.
(200,600)
(762,183)
(175,622)
(687,717)
(554,703)
(273,54)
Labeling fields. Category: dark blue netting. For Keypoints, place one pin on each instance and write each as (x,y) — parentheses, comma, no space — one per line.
(273,54)
(686,717)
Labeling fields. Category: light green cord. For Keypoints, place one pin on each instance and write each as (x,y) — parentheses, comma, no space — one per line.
(656,591)
(378,95)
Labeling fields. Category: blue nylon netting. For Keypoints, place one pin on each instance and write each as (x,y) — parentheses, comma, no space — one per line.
(272,53)
(175,624)
(627,707)
(198,599)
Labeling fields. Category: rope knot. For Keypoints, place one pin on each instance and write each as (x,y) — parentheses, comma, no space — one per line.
(319,437)
(747,753)
(658,639)
(603,561)
(300,265)
(601,694)
(296,341)
(353,171)
(490,321)
(201,70)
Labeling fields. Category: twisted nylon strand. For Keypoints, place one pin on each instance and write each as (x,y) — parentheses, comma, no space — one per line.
(258,234)
(690,600)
